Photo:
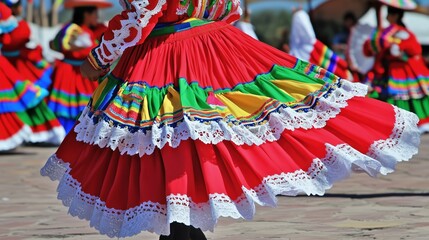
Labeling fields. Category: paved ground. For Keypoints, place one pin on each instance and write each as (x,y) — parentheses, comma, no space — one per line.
(392,207)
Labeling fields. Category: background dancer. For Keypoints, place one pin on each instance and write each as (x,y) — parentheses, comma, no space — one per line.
(71,91)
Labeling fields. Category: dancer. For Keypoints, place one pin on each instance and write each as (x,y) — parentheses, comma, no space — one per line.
(14,96)
(31,66)
(399,75)
(42,122)
(200,121)
(28,61)
(71,92)
(23,114)
(304,45)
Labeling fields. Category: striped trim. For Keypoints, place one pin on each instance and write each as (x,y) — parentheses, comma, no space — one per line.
(22,96)
(67,105)
(117,116)
(95,62)
(164,29)
(328,59)
(123,103)
(61,42)
(409,86)
(402,4)
(381,38)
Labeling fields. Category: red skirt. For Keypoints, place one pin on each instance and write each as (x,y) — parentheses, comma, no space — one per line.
(202,124)
(13,131)
(38,73)
(23,101)
(70,92)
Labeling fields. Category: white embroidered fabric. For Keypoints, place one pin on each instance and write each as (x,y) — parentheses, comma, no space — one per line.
(137,21)
(105,135)
(339,162)
(82,40)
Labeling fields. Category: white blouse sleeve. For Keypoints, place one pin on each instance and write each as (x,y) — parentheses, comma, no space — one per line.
(127,29)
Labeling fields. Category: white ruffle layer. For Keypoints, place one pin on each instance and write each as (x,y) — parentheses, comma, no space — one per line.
(105,135)
(15,140)
(339,162)
(54,136)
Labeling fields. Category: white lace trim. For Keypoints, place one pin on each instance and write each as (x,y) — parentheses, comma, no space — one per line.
(339,162)
(53,136)
(137,20)
(105,135)
(17,139)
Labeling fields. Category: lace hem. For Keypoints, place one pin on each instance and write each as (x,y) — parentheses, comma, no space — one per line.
(17,139)
(339,162)
(52,136)
(105,134)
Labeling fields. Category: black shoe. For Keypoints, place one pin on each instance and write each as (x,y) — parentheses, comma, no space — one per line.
(197,234)
(178,231)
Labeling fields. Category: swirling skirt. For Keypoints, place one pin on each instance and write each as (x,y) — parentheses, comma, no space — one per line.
(203,123)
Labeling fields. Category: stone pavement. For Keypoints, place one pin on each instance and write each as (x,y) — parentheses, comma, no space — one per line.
(393,207)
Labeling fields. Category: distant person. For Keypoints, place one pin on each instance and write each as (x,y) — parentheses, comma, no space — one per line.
(339,42)
(399,76)
(246,25)
(71,91)
(304,45)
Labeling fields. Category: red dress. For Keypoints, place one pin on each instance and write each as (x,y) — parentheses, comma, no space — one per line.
(29,62)
(200,121)
(16,96)
(400,75)
(22,100)
(70,91)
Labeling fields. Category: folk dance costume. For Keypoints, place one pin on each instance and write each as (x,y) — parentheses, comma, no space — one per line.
(15,95)
(399,75)
(200,121)
(28,60)
(23,114)
(70,91)
(305,46)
